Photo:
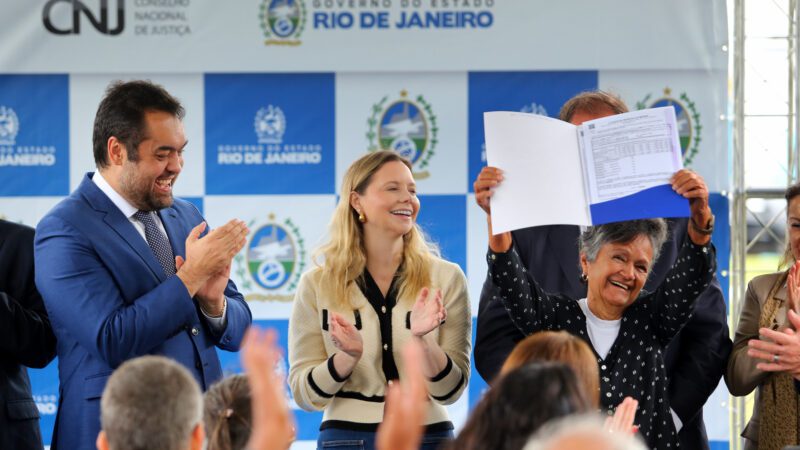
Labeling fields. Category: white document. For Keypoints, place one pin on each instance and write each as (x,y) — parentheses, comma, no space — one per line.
(541,164)
(605,170)
(628,153)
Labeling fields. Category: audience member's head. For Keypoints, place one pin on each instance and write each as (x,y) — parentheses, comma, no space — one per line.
(563,347)
(227,414)
(151,402)
(519,403)
(591,105)
(581,433)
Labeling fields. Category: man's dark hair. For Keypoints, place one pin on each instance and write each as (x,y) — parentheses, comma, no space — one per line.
(121,114)
(592,102)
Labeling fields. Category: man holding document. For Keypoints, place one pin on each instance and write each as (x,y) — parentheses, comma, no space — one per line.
(695,359)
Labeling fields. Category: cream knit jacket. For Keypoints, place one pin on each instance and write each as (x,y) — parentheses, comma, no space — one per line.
(358,400)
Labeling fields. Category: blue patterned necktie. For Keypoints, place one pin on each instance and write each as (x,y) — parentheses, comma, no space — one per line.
(158,242)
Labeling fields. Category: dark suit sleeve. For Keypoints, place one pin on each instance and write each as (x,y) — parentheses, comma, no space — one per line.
(25,334)
(704,346)
(496,334)
(697,357)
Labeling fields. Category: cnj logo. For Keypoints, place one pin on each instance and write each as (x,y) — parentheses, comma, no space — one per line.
(407,127)
(9,126)
(273,261)
(270,124)
(73,9)
(689,128)
(282,21)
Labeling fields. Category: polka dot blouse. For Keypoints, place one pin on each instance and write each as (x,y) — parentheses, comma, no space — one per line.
(635,364)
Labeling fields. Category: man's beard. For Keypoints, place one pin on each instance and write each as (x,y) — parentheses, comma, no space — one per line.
(143,198)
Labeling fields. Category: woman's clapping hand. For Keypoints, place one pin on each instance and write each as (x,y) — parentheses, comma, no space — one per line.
(428,312)
(345,336)
(779,350)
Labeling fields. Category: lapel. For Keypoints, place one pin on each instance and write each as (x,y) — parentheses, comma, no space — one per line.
(781,294)
(563,240)
(113,217)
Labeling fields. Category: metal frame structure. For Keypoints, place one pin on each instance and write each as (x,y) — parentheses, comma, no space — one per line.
(741,194)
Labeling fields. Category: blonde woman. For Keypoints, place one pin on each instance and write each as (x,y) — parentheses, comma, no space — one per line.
(379,285)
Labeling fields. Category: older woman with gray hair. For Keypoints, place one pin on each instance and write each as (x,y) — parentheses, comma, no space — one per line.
(626,327)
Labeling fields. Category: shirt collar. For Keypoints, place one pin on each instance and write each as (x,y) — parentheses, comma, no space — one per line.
(119,201)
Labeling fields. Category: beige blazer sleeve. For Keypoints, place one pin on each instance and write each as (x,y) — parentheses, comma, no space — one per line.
(311,378)
(454,338)
(742,376)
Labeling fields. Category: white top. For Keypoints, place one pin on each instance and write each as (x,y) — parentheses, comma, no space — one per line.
(602,333)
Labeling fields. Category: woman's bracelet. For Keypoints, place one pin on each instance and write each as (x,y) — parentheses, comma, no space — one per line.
(704,231)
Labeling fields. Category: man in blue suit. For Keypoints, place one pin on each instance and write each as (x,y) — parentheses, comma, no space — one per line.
(125,270)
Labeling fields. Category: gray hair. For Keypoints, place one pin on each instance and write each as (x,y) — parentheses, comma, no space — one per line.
(150,402)
(623,232)
(587,430)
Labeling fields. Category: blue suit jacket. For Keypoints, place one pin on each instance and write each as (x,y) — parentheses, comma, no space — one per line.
(109,301)
(694,360)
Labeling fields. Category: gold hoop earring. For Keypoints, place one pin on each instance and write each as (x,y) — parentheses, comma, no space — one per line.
(361,217)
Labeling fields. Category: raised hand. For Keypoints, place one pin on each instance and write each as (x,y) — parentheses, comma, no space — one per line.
(404,412)
(484,186)
(691,186)
(273,424)
(782,354)
(345,336)
(428,312)
(622,421)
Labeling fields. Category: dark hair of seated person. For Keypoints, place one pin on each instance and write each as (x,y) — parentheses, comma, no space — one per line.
(227,414)
(518,403)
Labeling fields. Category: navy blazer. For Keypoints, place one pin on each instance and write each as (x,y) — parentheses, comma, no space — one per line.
(109,300)
(694,360)
(25,338)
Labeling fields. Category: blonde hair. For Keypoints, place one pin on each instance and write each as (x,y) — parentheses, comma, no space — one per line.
(344,256)
(558,346)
